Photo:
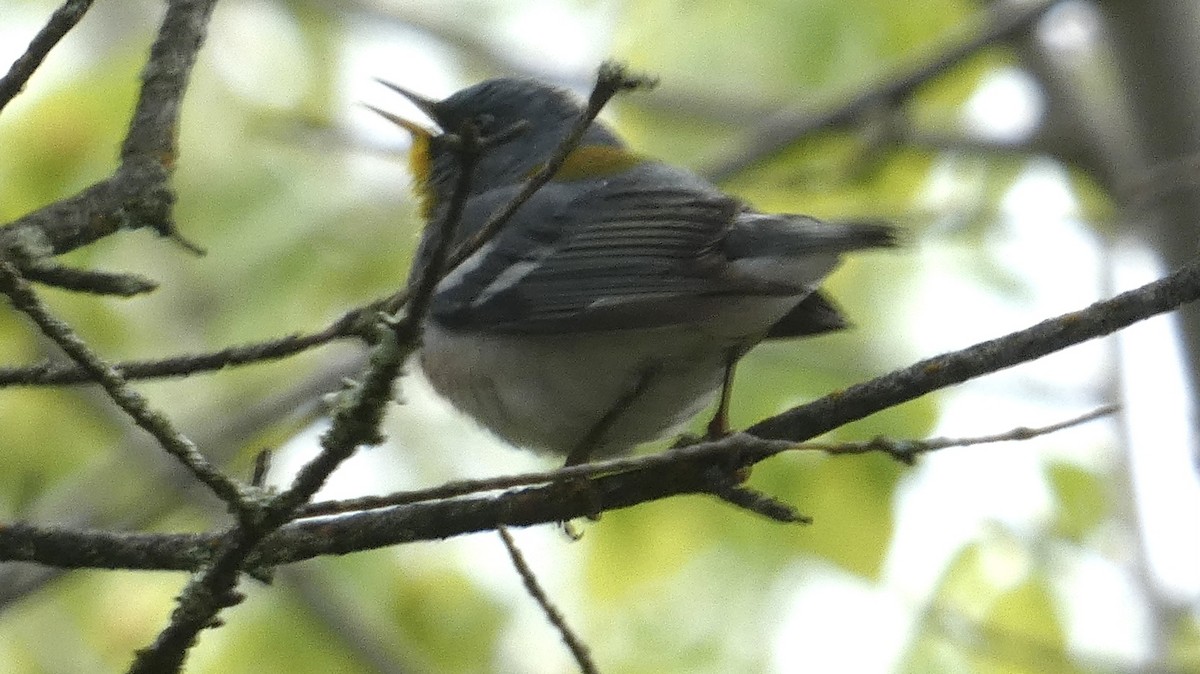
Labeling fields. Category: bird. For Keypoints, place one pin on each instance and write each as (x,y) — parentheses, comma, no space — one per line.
(613,306)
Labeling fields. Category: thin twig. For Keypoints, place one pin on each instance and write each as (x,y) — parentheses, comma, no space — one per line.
(579,650)
(355,422)
(154,128)
(688,470)
(56,374)
(60,23)
(138,194)
(611,79)
(906,451)
(726,445)
(197,605)
(356,322)
(131,402)
(420,293)
(729,489)
(262,465)
(901,450)
(1054,334)
(87,280)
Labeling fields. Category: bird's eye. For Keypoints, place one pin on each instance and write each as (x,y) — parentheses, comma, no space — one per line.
(483,121)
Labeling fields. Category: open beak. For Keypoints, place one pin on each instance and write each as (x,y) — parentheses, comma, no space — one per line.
(412,127)
(425,105)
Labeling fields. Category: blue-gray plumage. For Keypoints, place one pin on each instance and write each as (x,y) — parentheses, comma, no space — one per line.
(610,307)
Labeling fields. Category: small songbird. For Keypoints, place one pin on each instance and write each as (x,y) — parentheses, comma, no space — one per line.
(613,306)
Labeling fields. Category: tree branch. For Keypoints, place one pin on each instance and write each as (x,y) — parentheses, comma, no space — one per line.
(611,80)
(579,650)
(57,374)
(60,23)
(1099,319)
(617,484)
(357,322)
(782,130)
(131,402)
(355,423)
(138,194)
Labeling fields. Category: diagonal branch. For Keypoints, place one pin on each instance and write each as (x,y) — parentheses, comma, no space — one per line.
(780,131)
(60,23)
(131,402)
(355,423)
(357,322)
(611,79)
(618,484)
(579,650)
(905,451)
(57,374)
(138,194)
(1054,334)
(557,498)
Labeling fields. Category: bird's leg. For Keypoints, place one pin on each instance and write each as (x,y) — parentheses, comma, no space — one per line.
(718,426)
(583,451)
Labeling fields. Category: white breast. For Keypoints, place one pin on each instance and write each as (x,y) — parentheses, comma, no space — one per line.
(548,392)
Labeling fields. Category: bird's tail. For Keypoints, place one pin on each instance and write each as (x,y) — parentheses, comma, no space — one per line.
(783,236)
(795,252)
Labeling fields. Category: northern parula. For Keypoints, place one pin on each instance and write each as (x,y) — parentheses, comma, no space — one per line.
(614,304)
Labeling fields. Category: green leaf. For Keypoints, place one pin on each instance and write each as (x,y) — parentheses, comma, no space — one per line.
(1022,633)
(1082,497)
(1184,645)
(993,613)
